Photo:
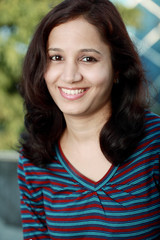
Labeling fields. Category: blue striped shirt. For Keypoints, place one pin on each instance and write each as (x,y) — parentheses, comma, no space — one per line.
(58,202)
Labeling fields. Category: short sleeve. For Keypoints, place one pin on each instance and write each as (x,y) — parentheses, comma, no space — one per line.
(32,209)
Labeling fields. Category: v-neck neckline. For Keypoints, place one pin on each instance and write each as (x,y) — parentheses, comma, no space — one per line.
(79,177)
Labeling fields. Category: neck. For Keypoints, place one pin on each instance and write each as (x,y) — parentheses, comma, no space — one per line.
(86,128)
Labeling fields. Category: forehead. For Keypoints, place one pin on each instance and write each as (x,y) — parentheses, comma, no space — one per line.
(78,30)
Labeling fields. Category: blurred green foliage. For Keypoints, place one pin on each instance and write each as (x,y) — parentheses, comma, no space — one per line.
(18,20)
(131,16)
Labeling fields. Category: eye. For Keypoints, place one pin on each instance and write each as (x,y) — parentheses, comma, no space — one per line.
(56,58)
(89,59)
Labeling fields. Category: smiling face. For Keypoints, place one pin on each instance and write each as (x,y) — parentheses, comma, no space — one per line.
(79,73)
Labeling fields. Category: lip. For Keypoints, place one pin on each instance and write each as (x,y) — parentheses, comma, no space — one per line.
(72,93)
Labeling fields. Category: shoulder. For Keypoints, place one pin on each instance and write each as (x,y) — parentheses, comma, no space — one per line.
(149,146)
(152,125)
(146,157)
(152,117)
(25,164)
(30,173)
(150,143)
(33,174)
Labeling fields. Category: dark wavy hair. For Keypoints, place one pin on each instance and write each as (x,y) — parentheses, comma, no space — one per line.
(45,122)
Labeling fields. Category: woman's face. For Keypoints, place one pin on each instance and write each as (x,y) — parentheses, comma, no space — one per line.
(79,73)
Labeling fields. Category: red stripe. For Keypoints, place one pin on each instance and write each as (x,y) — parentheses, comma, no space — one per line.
(96,228)
(128,218)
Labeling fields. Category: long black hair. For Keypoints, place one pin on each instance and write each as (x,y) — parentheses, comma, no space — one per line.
(45,122)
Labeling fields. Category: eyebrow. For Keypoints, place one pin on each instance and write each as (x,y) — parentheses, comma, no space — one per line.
(90,50)
(81,50)
(55,49)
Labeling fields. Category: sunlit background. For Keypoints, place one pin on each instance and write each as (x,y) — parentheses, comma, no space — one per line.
(146,36)
(18,20)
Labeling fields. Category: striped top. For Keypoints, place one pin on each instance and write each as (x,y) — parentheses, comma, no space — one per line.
(60,203)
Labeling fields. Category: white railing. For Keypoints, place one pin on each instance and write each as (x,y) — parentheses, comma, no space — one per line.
(8,156)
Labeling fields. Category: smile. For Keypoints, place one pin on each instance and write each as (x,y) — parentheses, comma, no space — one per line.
(72,92)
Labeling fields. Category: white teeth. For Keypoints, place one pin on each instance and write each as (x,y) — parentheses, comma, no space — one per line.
(72,92)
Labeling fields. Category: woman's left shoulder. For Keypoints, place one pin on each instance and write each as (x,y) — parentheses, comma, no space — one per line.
(152,117)
(152,122)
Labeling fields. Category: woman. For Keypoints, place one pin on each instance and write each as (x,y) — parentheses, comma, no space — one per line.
(89,164)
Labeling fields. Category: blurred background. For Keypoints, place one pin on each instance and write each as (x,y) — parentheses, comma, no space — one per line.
(18,20)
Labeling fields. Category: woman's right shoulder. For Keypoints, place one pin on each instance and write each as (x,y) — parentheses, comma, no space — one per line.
(30,174)
(23,160)
(25,165)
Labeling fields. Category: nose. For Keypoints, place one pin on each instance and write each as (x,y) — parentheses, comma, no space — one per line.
(71,72)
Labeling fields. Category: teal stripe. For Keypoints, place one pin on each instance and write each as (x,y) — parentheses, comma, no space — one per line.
(74,192)
(102,212)
(136,182)
(79,203)
(129,175)
(70,196)
(103,234)
(37,234)
(33,168)
(54,179)
(30,209)
(134,155)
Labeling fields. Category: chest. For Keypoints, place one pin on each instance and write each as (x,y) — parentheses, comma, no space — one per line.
(89,162)
(124,204)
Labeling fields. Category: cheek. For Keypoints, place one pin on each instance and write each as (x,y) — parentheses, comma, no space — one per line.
(50,76)
(101,75)
(103,79)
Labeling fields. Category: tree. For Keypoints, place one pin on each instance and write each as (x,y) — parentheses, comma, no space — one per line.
(17,24)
